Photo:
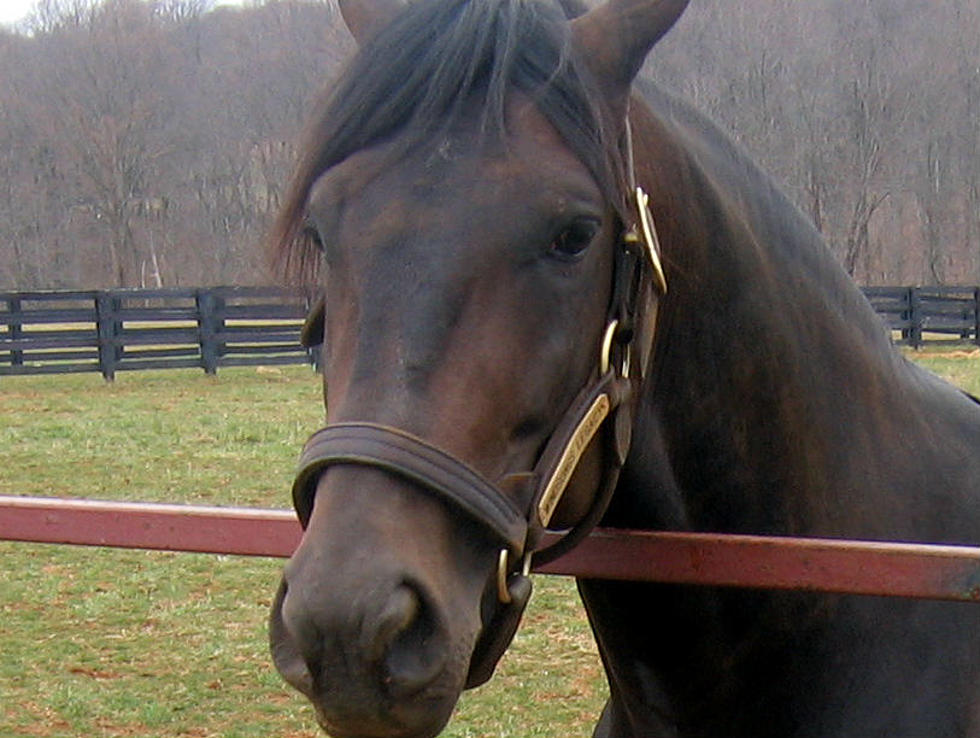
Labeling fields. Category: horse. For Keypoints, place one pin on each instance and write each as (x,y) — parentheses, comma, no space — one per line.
(556,296)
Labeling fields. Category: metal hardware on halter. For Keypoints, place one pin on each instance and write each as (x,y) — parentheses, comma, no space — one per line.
(648,229)
(504,573)
(650,239)
(606,349)
(648,236)
(572,453)
(605,352)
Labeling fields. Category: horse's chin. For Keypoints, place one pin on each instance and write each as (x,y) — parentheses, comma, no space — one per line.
(354,705)
(422,720)
(415,716)
(420,716)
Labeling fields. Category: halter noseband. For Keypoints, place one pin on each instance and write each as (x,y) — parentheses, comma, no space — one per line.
(602,412)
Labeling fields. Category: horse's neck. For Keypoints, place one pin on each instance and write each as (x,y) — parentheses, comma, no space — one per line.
(776,396)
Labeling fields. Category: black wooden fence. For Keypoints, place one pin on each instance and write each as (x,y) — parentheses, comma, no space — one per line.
(51,332)
(917,315)
(48,332)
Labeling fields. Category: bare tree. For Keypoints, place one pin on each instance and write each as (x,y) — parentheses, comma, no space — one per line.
(148,141)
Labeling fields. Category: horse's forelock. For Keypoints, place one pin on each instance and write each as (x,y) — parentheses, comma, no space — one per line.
(439,55)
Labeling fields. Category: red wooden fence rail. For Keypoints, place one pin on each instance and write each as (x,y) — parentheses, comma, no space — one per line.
(853,567)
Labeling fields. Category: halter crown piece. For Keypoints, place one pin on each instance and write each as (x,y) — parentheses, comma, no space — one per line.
(601,413)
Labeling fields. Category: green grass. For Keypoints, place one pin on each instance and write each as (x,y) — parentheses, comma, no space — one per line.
(158,436)
(961,366)
(100,642)
(116,643)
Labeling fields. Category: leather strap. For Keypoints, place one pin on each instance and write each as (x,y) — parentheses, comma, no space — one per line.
(498,632)
(614,390)
(401,453)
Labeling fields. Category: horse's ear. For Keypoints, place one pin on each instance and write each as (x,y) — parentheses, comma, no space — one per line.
(616,37)
(364,17)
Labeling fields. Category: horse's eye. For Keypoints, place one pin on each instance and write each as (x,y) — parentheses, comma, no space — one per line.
(575,238)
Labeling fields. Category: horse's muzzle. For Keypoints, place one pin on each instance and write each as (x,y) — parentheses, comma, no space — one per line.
(383,680)
(363,628)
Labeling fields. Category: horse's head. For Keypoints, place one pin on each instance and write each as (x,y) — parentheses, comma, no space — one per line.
(486,318)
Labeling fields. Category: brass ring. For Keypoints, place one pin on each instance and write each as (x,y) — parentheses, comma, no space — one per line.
(607,340)
(503,593)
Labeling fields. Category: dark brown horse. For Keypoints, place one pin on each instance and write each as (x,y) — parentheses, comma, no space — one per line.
(496,330)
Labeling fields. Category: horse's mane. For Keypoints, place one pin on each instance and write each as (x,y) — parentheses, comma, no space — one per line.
(434,63)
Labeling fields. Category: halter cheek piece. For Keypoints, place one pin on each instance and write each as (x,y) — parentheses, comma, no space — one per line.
(601,413)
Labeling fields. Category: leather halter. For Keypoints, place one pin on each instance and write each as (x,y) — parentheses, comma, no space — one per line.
(601,413)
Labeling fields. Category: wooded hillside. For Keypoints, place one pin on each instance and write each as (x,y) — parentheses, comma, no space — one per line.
(148,143)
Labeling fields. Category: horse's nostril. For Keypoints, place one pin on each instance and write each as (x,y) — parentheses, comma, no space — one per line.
(397,615)
(286,653)
(408,642)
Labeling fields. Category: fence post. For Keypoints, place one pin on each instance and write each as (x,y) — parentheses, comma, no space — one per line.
(16,330)
(210,322)
(976,315)
(108,330)
(915,318)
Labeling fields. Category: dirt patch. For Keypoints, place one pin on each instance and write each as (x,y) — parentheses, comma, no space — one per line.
(961,354)
(94,673)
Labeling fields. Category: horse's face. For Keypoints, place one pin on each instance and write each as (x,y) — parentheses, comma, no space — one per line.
(468,287)
(454,278)
(467,292)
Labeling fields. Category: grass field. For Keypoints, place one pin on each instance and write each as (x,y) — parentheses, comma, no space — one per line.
(99,642)
(959,366)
